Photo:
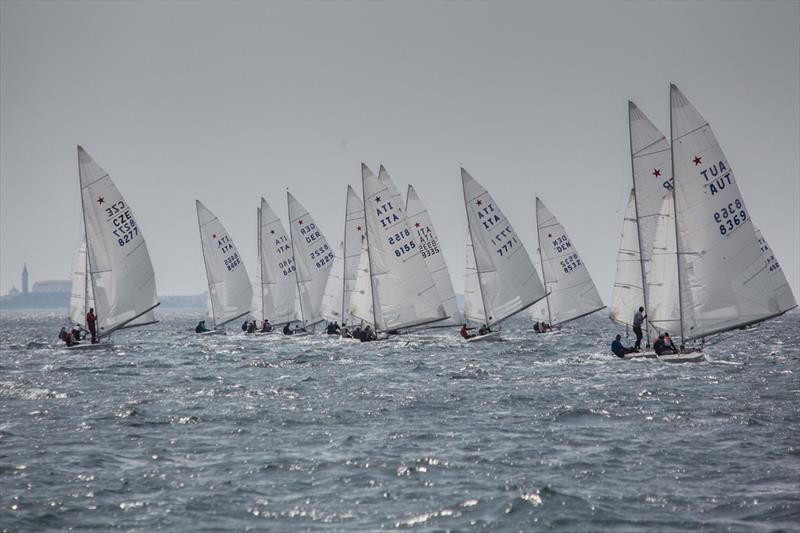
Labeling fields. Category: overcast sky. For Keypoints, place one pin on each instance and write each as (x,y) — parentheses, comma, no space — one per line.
(226,102)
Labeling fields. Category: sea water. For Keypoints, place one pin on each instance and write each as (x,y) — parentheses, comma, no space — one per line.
(179,432)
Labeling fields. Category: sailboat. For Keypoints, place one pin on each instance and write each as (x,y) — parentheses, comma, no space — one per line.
(112,271)
(402,291)
(433,254)
(229,289)
(313,259)
(723,278)
(571,293)
(500,278)
(342,278)
(276,296)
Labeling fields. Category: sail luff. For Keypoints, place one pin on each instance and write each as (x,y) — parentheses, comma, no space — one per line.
(628,287)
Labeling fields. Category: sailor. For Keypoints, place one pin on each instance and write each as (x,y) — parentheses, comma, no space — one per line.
(368,334)
(333,328)
(659,346)
(251,326)
(266,327)
(358,333)
(287,330)
(201,327)
(78,333)
(345,331)
(245,325)
(464,332)
(638,320)
(68,340)
(669,345)
(91,323)
(618,349)
(484,330)
(545,327)
(536,327)
(62,334)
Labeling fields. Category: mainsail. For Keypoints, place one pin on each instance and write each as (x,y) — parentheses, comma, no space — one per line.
(663,310)
(278,289)
(313,260)
(433,254)
(403,291)
(628,294)
(571,291)
(724,280)
(783,292)
(120,271)
(507,280)
(229,287)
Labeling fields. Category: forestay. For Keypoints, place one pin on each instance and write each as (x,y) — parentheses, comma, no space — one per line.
(473,298)
(432,252)
(120,271)
(724,280)
(229,287)
(628,294)
(783,292)
(313,259)
(404,294)
(663,311)
(571,291)
(508,282)
(278,289)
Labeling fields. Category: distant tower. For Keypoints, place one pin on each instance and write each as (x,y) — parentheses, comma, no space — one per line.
(25,279)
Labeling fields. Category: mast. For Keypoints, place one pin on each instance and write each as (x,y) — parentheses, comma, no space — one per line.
(89,276)
(541,265)
(475,257)
(675,210)
(638,229)
(260,263)
(205,264)
(344,253)
(369,256)
(296,273)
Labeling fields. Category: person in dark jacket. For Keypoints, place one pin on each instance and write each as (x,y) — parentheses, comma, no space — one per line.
(618,349)
(287,330)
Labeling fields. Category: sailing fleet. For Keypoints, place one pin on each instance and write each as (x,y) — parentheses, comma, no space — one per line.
(689,254)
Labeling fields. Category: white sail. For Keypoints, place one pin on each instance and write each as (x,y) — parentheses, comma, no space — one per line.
(403,290)
(121,273)
(80,298)
(663,310)
(724,281)
(313,259)
(354,243)
(359,305)
(432,252)
(571,291)
(278,290)
(473,298)
(508,280)
(628,294)
(783,292)
(229,287)
(332,296)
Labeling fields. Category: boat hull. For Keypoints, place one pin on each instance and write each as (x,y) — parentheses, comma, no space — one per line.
(493,336)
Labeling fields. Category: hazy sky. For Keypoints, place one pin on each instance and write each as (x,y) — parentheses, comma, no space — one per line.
(226,102)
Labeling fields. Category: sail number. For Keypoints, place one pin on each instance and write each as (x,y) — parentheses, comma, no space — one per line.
(730,217)
(125,228)
(561,244)
(570,263)
(232,261)
(323,255)
(404,249)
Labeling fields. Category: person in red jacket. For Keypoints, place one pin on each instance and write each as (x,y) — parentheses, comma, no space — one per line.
(91,323)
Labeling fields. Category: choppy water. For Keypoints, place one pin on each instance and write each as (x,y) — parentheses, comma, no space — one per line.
(176,432)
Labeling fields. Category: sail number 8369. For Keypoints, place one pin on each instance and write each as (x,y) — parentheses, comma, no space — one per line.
(730,217)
